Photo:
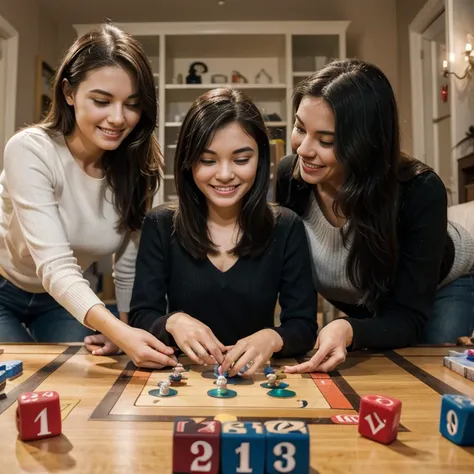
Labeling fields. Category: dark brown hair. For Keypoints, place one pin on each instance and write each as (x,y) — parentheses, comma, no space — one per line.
(133,170)
(208,114)
(367,144)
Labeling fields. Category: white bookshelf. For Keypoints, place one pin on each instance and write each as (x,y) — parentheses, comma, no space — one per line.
(288,51)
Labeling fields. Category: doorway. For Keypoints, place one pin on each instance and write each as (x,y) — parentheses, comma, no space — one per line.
(436,106)
(8,81)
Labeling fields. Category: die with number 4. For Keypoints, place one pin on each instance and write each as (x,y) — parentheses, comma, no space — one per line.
(379,418)
(287,447)
(196,446)
(38,415)
(457,419)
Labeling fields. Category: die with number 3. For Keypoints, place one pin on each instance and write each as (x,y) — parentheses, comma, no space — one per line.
(38,415)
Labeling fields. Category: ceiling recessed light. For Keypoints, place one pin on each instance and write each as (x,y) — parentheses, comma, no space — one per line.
(221,2)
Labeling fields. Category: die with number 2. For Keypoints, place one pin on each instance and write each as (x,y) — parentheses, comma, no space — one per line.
(38,415)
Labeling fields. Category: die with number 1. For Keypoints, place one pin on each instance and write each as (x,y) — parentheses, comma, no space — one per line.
(38,415)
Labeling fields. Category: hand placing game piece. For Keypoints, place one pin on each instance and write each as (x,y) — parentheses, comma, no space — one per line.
(195,339)
(330,349)
(252,351)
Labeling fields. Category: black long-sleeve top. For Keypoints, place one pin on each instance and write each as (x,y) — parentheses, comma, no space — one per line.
(235,303)
(426,255)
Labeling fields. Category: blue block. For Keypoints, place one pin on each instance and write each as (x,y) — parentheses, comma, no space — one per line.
(3,376)
(287,447)
(457,419)
(242,447)
(13,367)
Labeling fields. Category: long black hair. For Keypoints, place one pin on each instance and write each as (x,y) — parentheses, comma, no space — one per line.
(367,144)
(133,170)
(209,113)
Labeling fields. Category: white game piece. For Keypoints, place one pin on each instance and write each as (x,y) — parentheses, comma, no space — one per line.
(221,383)
(272,380)
(164,387)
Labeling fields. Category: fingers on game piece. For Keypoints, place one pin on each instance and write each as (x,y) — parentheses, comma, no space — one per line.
(379,418)
(38,415)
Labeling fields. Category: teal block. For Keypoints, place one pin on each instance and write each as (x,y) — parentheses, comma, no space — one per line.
(457,419)
(242,447)
(287,447)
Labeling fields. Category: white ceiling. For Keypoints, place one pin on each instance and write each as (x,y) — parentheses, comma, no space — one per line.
(93,11)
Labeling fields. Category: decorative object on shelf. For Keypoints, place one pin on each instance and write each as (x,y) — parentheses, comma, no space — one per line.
(468,58)
(195,70)
(263,77)
(219,79)
(44,79)
(179,79)
(238,78)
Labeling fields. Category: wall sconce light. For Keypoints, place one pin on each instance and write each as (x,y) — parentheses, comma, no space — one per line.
(468,54)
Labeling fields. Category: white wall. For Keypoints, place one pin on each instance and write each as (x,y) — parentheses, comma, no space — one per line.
(36,37)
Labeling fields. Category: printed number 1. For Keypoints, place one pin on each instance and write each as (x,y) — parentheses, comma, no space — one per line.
(244,452)
(287,452)
(43,418)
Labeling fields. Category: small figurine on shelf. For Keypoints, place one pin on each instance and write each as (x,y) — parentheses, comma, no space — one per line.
(195,71)
(177,374)
(263,77)
(238,78)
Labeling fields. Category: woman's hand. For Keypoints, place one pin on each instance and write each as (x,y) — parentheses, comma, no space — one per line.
(252,352)
(330,349)
(99,345)
(144,349)
(195,339)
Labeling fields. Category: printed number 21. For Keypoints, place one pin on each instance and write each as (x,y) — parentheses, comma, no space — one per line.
(43,419)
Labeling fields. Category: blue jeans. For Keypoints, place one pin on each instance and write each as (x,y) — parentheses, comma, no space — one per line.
(453,312)
(35,317)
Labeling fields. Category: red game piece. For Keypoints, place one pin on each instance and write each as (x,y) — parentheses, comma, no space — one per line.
(196,446)
(379,418)
(38,415)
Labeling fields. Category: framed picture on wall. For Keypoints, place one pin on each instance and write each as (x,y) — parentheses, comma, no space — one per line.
(44,83)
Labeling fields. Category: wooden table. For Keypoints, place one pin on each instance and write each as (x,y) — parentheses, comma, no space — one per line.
(112,425)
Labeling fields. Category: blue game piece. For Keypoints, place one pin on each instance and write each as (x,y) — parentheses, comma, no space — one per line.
(457,419)
(268,370)
(13,368)
(242,447)
(287,447)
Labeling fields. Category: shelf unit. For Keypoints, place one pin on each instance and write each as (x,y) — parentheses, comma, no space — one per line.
(287,51)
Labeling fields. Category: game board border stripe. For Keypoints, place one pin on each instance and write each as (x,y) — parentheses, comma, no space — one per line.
(431,381)
(38,377)
(103,409)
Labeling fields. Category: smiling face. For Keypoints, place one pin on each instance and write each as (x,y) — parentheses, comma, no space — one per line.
(106,106)
(227,168)
(313,139)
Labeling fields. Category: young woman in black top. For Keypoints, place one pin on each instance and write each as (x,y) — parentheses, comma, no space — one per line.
(211,268)
(383,251)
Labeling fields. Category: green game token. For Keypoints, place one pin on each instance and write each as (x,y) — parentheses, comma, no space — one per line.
(216,393)
(280,385)
(156,393)
(281,393)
